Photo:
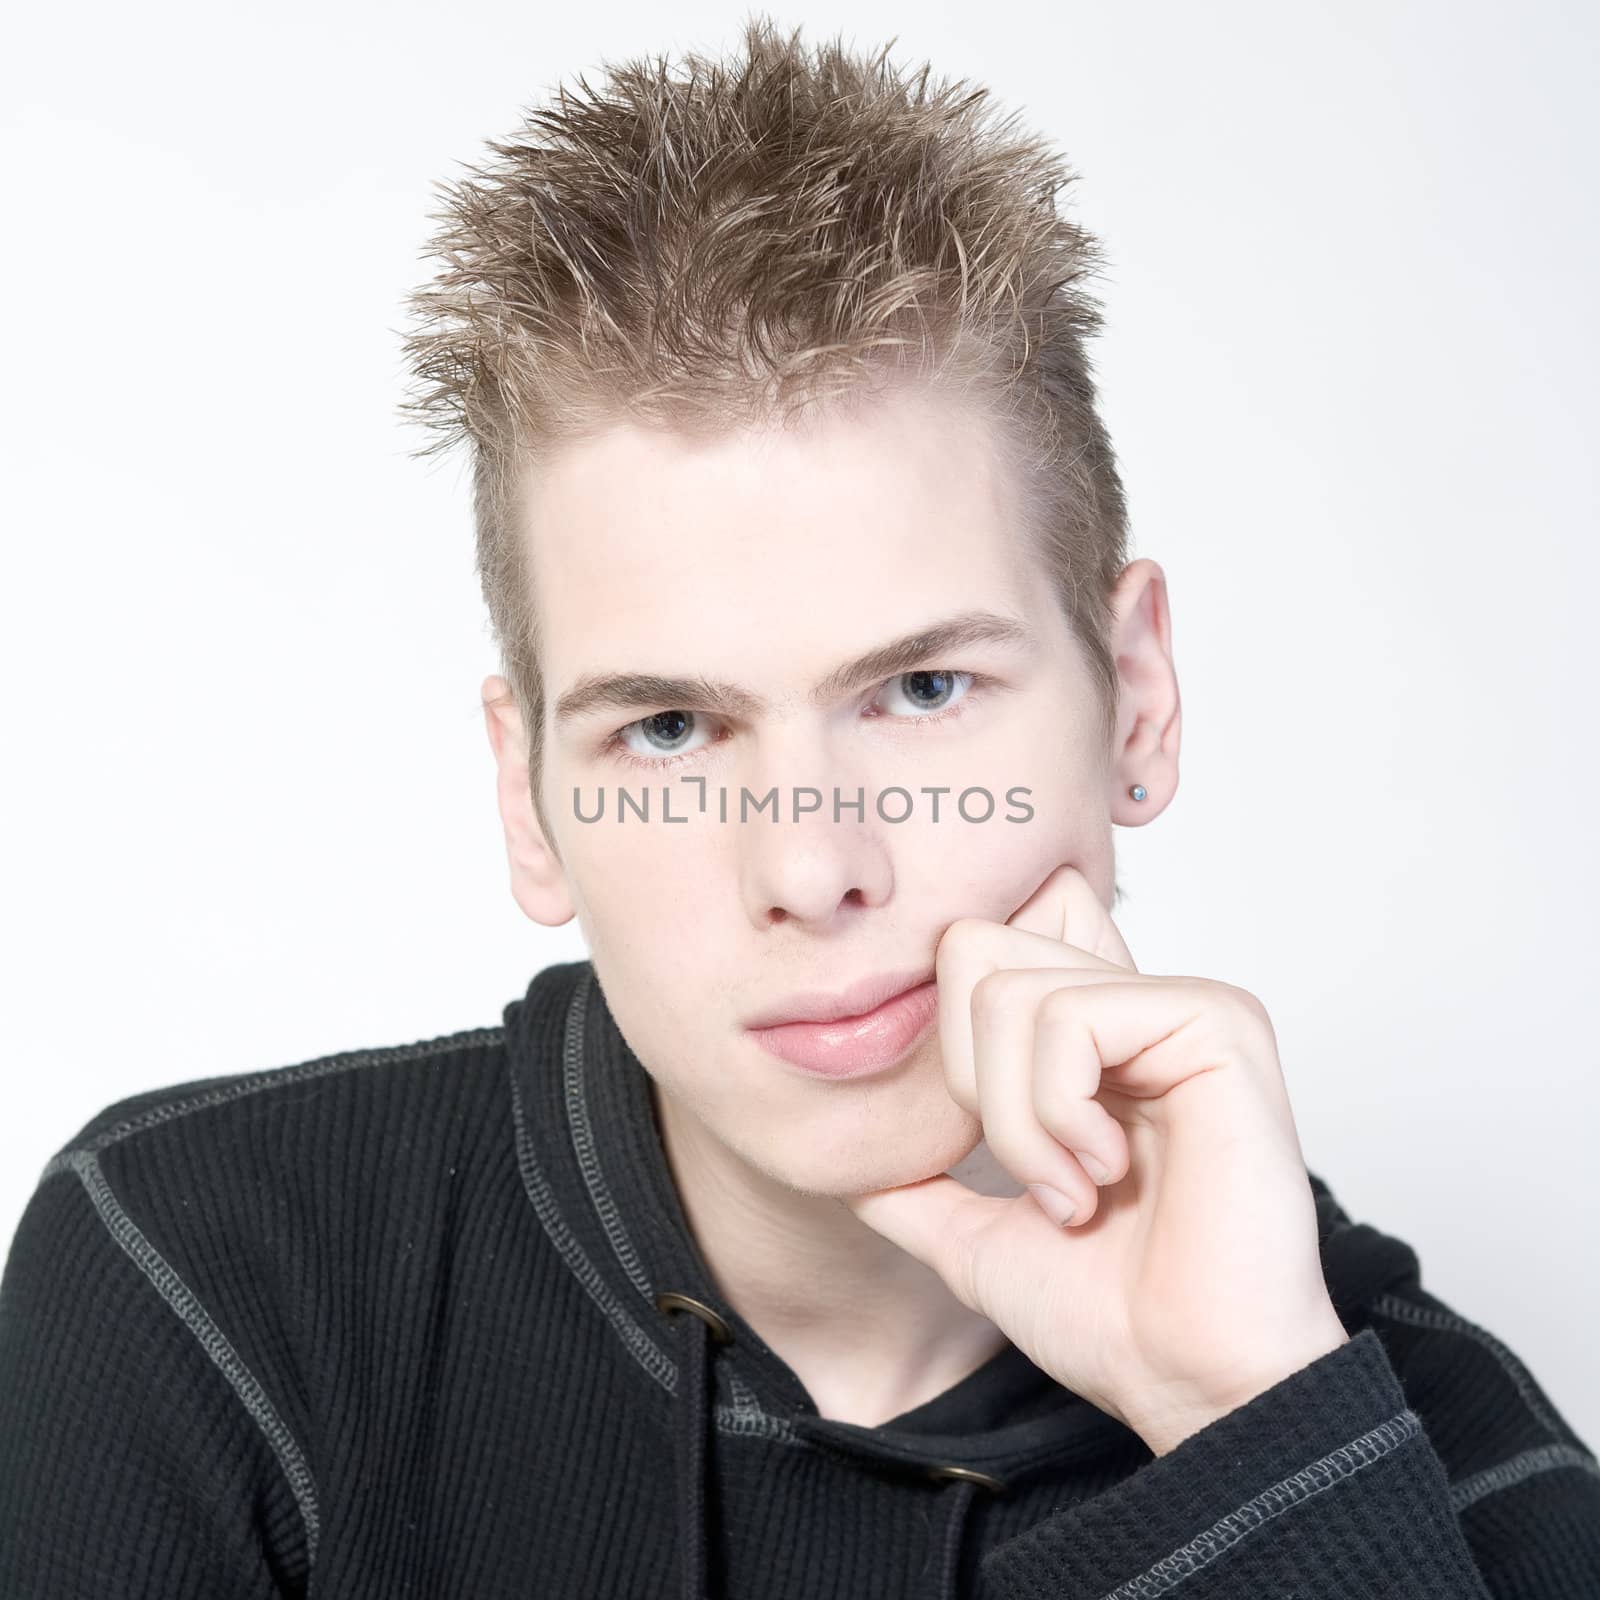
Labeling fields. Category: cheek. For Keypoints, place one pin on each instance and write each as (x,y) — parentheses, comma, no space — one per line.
(645,871)
(635,892)
(988,870)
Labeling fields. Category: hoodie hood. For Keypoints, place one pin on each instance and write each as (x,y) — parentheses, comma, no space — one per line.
(594,1168)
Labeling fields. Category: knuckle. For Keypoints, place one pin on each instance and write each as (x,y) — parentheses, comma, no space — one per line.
(959,939)
(1250,1012)
(1060,1005)
(1248,1002)
(1231,1015)
(991,993)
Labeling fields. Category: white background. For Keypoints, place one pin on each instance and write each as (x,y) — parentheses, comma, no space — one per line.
(1350,371)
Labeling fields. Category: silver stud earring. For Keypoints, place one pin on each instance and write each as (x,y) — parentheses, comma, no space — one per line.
(1138,791)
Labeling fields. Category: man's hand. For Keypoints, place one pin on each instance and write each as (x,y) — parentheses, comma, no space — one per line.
(1191,1281)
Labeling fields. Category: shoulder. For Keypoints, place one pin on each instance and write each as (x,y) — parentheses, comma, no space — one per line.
(1493,1424)
(455,1067)
(168,1283)
(209,1145)
(223,1190)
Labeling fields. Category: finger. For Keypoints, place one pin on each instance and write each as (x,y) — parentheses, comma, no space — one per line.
(1152,1034)
(1023,1067)
(968,951)
(936,1221)
(1067,907)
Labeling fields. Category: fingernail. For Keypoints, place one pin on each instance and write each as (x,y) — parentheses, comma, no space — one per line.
(1093,1166)
(1053,1203)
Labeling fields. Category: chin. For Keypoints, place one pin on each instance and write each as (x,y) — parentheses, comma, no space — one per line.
(878,1155)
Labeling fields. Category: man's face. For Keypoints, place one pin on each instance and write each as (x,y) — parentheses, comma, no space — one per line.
(768,561)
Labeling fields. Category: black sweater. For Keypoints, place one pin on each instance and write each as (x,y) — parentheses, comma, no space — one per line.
(390,1324)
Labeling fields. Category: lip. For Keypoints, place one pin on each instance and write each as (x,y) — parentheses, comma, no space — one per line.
(857,1045)
(853,1003)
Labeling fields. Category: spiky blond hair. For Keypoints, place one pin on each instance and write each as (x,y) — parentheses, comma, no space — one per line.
(744,240)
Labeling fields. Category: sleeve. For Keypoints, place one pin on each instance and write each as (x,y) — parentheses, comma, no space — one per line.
(1326,1486)
(129,1464)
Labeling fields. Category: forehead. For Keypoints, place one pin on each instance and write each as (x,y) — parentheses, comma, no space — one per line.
(656,551)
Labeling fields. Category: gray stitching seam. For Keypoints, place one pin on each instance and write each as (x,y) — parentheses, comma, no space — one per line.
(1227,1531)
(1546,1458)
(213,1341)
(640,1345)
(1400,1310)
(254,1083)
(744,1397)
(738,1419)
(589,1158)
(84,1161)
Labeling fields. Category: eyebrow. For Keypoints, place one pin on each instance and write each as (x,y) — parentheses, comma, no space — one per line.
(626,691)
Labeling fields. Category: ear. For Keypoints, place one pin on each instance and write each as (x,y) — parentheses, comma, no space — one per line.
(1150,716)
(538,880)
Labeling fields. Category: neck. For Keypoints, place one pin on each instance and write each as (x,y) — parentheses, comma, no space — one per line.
(815,1282)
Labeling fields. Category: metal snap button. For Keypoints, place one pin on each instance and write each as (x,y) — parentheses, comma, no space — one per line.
(967,1474)
(670,1301)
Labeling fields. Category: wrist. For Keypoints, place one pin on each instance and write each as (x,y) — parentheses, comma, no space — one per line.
(1177,1417)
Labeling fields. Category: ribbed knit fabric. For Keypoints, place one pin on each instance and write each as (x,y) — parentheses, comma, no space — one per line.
(389,1324)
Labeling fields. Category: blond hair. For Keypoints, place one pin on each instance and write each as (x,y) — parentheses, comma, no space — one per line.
(742,240)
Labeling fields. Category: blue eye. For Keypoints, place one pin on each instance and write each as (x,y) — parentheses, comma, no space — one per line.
(666,734)
(668,737)
(926,692)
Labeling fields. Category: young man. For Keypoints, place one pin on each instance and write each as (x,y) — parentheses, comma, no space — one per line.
(732,1262)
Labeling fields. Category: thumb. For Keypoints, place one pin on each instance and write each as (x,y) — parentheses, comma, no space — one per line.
(933,1220)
